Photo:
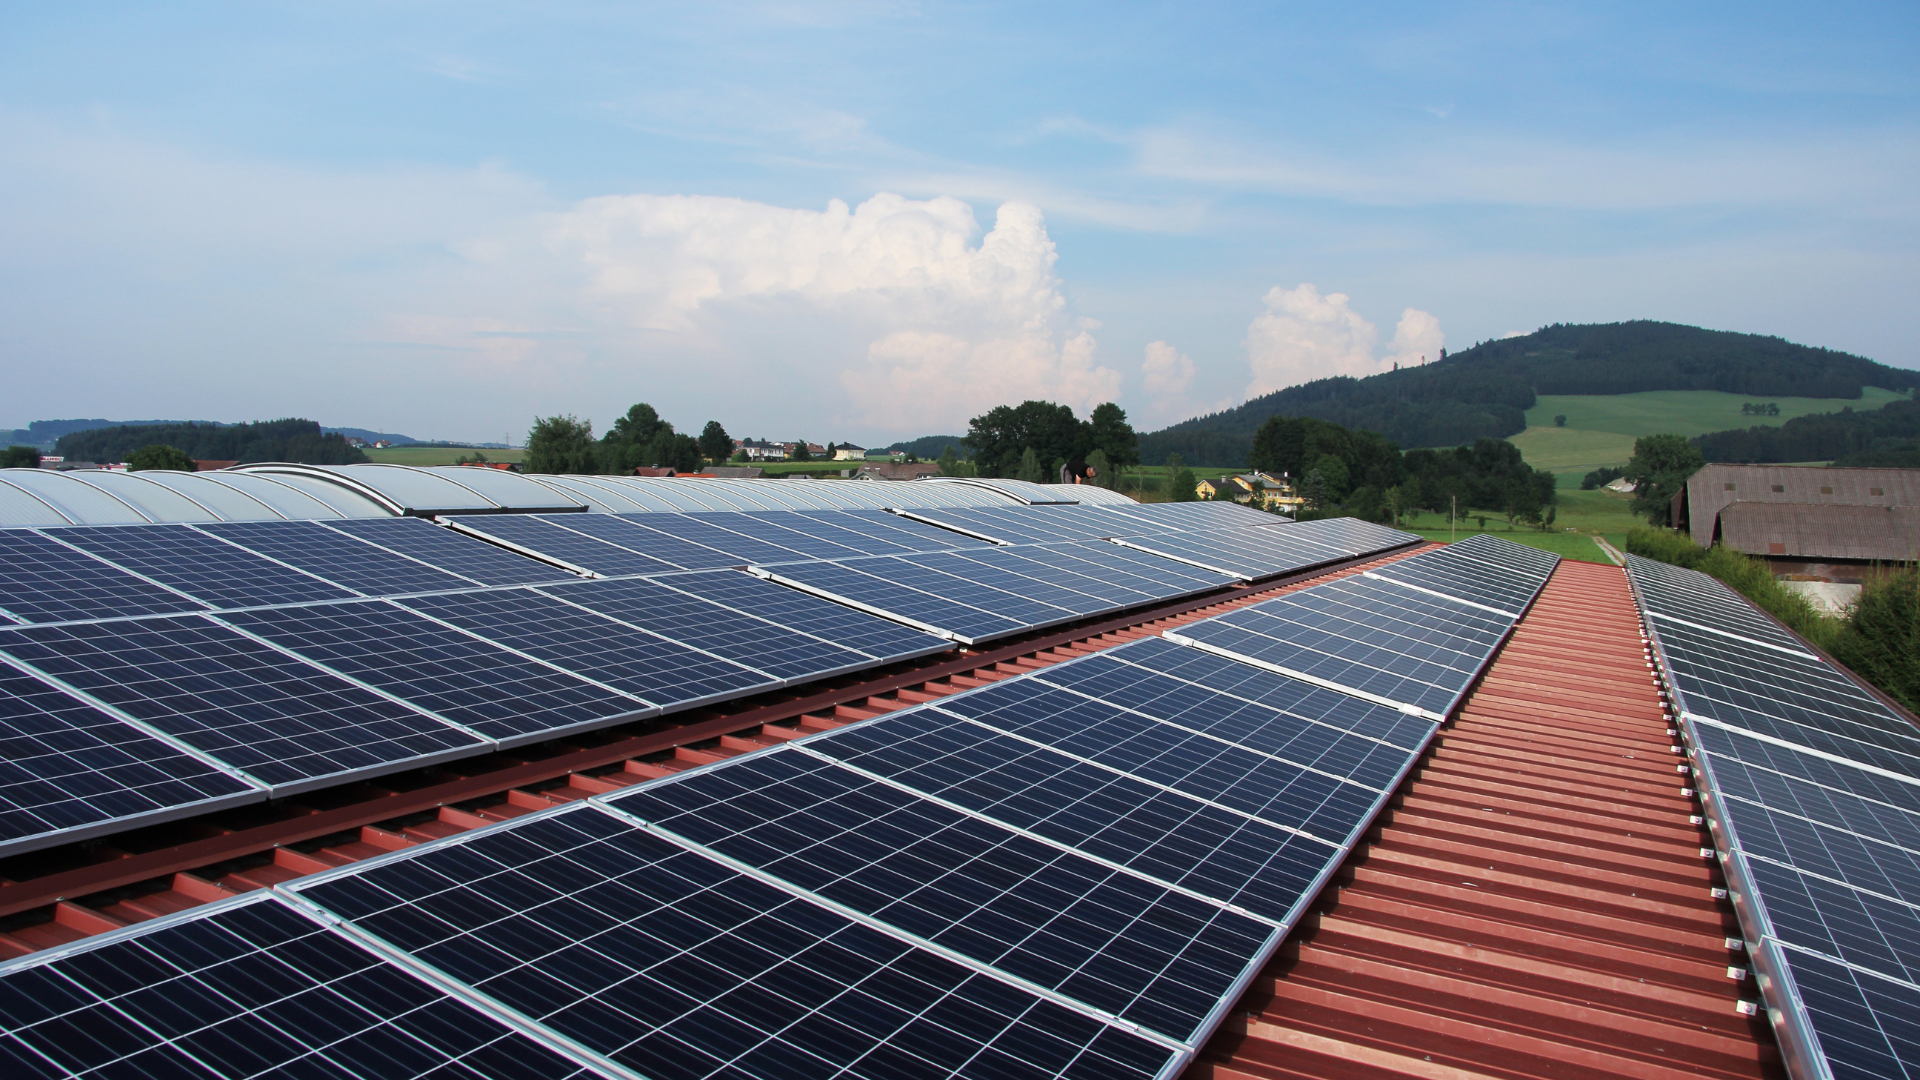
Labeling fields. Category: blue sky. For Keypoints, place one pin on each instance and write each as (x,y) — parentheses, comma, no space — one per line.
(868,221)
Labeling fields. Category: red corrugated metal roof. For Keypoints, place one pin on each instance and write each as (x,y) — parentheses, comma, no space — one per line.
(1534,903)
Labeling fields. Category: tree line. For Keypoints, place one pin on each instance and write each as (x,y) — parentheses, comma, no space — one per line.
(1821,437)
(638,439)
(1484,391)
(1034,440)
(272,440)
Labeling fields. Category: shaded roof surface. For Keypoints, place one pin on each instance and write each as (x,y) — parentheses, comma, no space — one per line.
(1812,530)
(1715,487)
(1535,904)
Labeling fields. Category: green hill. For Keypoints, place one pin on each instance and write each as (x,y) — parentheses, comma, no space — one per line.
(1489,390)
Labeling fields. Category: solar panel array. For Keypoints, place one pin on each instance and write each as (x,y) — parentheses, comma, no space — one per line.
(1071,873)
(1411,635)
(1812,788)
(163,670)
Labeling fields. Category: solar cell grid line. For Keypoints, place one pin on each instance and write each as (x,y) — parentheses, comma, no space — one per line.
(1152,567)
(671,963)
(1498,557)
(995,533)
(898,601)
(456,553)
(1508,553)
(1335,777)
(1805,737)
(1841,795)
(870,635)
(543,537)
(696,529)
(1354,534)
(246,705)
(909,534)
(1119,943)
(1233,551)
(1735,671)
(786,654)
(250,987)
(341,559)
(1860,1024)
(1079,575)
(1702,601)
(1262,726)
(653,669)
(833,539)
(1717,697)
(1261,686)
(1467,590)
(990,570)
(69,771)
(652,543)
(1258,866)
(500,695)
(1875,934)
(1088,561)
(762,526)
(1881,869)
(199,565)
(42,580)
(1417,651)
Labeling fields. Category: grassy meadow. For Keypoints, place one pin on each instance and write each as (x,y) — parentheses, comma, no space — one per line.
(1600,429)
(436,455)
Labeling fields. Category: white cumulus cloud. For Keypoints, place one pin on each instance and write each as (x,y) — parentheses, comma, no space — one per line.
(952,327)
(1304,335)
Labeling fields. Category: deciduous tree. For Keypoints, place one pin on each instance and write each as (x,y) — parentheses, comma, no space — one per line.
(560,444)
(159,456)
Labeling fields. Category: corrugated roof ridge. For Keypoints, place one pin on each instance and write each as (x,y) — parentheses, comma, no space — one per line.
(1534,904)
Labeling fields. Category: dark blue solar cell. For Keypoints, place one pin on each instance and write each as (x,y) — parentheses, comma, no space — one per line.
(869,634)
(336,557)
(910,535)
(777,650)
(810,536)
(1285,791)
(617,529)
(704,529)
(498,694)
(880,594)
(670,963)
(68,769)
(548,535)
(1113,586)
(972,521)
(1871,865)
(651,668)
(1181,839)
(1867,1026)
(1828,917)
(45,581)
(1129,947)
(450,551)
(1462,581)
(252,990)
(199,565)
(284,722)
(1226,550)
(990,569)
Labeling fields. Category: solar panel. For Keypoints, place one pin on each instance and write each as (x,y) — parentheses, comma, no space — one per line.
(670,963)
(653,669)
(983,524)
(985,568)
(336,557)
(252,988)
(1368,637)
(497,694)
(546,537)
(697,529)
(195,563)
(45,581)
(1813,790)
(658,545)
(1520,559)
(780,651)
(1248,554)
(857,630)
(1182,839)
(283,722)
(1304,795)
(450,551)
(908,534)
(69,770)
(899,601)
(1126,946)
(1113,584)
(813,539)
(1460,581)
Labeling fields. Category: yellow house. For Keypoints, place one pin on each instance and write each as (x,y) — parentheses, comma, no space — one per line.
(1266,492)
(1207,489)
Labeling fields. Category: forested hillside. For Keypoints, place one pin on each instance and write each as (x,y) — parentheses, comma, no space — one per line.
(1845,434)
(271,440)
(1483,392)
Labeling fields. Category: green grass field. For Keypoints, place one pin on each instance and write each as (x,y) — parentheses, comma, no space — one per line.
(1567,545)
(436,455)
(1600,429)
(1587,512)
